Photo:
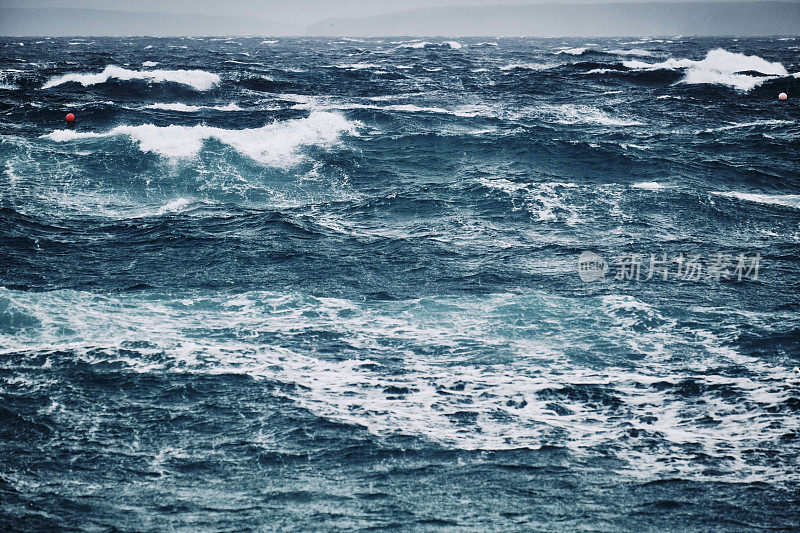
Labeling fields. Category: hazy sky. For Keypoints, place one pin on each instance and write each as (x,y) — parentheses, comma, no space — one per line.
(293,11)
(397,17)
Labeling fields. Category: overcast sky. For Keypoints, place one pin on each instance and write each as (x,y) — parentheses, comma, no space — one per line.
(293,11)
(398,17)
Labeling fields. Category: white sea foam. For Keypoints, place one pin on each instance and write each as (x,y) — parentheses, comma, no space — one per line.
(584,114)
(359,66)
(7,78)
(186,108)
(415,45)
(631,52)
(649,185)
(785,200)
(739,125)
(414,375)
(150,63)
(529,66)
(461,111)
(175,206)
(197,79)
(719,67)
(547,201)
(455,45)
(275,144)
(572,51)
(319,103)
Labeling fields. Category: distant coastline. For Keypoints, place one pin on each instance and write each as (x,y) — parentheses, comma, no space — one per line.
(744,19)
(718,19)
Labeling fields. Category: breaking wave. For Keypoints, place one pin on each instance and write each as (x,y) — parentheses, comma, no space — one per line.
(719,67)
(784,200)
(275,144)
(186,108)
(572,51)
(455,45)
(197,79)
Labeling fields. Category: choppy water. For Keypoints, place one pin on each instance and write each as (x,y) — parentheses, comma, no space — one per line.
(321,284)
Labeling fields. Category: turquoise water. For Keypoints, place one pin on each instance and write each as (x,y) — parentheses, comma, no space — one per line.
(315,284)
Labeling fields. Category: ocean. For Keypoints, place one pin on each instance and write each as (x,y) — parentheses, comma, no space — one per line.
(404,284)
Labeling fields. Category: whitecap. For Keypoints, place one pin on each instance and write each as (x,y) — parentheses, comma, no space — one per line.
(177,106)
(785,200)
(572,51)
(584,114)
(197,79)
(648,186)
(175,206)
(416,45)
(466,111)
(528,66)
(719,67)
(275,144)
(631,52)
(359,66)
(739,125)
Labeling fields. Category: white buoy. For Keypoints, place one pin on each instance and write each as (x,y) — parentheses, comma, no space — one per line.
(783,97)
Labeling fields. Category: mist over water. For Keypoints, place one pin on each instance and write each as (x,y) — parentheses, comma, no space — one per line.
(332,284)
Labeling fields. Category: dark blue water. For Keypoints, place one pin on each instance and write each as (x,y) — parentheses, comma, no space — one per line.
(333,285)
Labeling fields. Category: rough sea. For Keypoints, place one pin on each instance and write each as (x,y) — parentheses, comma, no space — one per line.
(324,284)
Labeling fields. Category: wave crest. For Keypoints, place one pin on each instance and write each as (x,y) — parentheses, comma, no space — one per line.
(785,200)
(719,67)
(197,79)
(186,108)
(275,144)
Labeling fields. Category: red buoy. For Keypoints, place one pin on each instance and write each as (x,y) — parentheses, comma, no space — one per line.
(783,97)
(70,117)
